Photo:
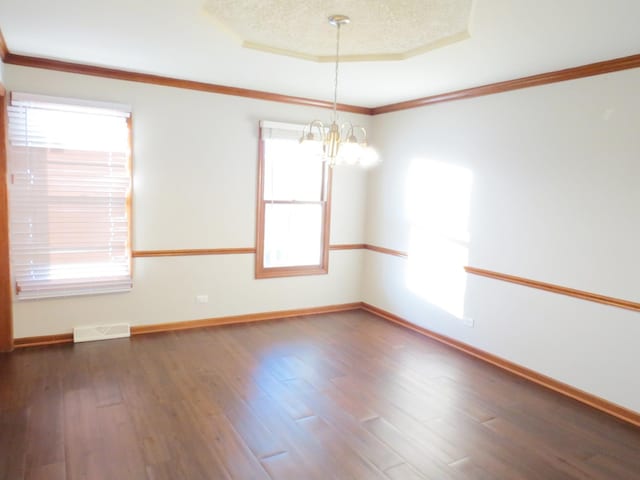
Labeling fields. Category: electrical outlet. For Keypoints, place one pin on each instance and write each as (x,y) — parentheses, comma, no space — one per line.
(468,321)
(202,298)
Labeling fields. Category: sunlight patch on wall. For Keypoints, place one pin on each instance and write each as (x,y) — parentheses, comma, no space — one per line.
(437,203)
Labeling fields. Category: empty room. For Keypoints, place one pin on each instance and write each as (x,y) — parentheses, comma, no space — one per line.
(358,239)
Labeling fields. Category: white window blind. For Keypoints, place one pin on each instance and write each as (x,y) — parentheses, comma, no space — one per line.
(70,185)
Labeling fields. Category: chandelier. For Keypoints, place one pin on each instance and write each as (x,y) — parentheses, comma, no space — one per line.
(342,143)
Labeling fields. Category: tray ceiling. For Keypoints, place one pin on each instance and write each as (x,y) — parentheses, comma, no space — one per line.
(180,39)
(378,30)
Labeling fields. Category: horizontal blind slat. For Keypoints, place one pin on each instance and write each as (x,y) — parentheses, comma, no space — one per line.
(69,184)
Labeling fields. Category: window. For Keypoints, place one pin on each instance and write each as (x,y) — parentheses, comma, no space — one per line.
(294,197)
(69,192)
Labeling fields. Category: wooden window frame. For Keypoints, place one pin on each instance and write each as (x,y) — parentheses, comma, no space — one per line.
(6,298)
(290,271)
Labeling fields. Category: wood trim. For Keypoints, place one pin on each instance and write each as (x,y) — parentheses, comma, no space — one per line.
(129,199)
(260,209)
(223,251)
(598,68)
(96,71)
(43,340)
(4,51)
(190,324)
(594,401)
(549,287)
(325,202)
(299,270)
(588,70)
(6,305)
(387,251)
(248,318)
(348,246)
(192,251)
(327,185)
(531,375)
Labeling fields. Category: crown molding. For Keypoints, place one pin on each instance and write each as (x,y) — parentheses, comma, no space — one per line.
(573,73)
(589,70)
(117,74)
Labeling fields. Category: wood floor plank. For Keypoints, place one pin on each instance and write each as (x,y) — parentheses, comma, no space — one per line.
(119,447)
(612,468)
(53,471)
(305,448)
(495,454)
(45,425)
(352,464)
(358,438)
(468,468)
(82,434)
(558,455)
(422,459)
(258,438)
(403,471)
(282,466)
(231,449)
(336,396)
(13,443)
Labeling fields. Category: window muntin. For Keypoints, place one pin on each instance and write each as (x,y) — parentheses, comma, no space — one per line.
(70,187)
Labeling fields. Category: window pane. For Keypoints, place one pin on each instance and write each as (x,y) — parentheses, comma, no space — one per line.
(289,173)
(293,235)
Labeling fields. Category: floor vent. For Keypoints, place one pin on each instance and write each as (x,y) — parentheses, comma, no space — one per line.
(101,332)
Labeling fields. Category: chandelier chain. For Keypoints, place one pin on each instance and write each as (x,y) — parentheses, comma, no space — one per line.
(335,82)
(340,143)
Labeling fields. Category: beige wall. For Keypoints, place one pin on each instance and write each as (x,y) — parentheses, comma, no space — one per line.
(554,197)
(195,159)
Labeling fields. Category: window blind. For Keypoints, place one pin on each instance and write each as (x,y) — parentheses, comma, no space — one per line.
(69,192)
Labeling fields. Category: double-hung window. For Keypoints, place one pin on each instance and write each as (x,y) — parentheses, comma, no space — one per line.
(294,197)
(70,196)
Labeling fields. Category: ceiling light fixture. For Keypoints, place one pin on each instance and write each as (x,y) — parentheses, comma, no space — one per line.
(341,143)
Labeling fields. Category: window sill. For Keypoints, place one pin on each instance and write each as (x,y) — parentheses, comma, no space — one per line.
(276,272)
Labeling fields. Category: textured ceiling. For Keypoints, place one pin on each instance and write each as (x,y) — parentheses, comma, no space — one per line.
(178,38)
(378,30)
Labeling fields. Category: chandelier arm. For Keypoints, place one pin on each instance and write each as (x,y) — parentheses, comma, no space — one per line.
(347,128)
(364,132)
(320,127)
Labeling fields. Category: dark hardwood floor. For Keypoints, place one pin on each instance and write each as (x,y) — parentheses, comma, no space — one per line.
(344,396)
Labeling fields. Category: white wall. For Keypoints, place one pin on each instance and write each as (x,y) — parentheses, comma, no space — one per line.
(195,164)
(554,198)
